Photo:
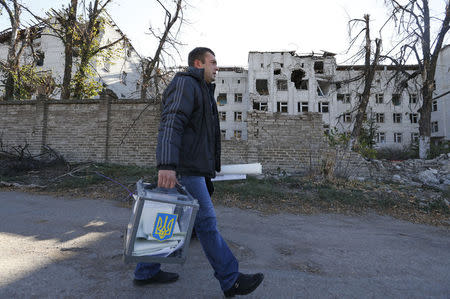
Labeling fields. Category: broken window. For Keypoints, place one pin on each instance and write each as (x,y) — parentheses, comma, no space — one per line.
(398,137)
(344,97)
(221,99)
(259,106)
(261,86)
(379,117)
(276,71)
(282,85)
(297,78)
(434,127)
(237,116)
(282,107)
(318,67)
(302,107)
(323,107)
(223,133)
(414,118)
(414,137)
(397,117)
(40,58)
(379,98)
(238,134)
(396,99)
(434,106)
(238,97)
(281,64)
(222,115)
(239,81)
(323,88)
(413,98)
(326,129)
(380,137)
(124,78)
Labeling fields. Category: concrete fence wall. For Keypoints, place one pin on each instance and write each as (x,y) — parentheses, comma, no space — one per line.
(125,132)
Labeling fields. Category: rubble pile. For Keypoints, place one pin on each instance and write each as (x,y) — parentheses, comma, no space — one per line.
(414,172)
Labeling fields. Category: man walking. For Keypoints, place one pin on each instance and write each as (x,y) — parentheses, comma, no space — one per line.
(188,152)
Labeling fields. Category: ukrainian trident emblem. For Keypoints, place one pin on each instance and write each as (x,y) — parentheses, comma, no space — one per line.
(164,225)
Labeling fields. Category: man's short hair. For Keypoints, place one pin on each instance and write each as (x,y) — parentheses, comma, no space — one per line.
(198,53)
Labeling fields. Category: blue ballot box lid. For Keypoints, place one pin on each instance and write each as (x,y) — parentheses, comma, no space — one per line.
(160,225)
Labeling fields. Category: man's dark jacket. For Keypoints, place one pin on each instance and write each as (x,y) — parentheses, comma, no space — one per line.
(189,132)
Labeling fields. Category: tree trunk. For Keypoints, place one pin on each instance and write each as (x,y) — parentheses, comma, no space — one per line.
(425,119)
(68,50)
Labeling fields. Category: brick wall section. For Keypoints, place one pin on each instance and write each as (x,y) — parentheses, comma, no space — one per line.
(125,132)
(294,143)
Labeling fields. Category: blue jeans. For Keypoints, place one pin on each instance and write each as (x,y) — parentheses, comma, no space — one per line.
(220,257)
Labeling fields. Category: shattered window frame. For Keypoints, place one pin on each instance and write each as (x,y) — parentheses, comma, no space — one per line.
(414,137)
(434,126)
(344,97)
(238,97)
(262,86)
(238,134)
(397,118)
(297,76)
(347,117)
(379,118)
(379,98)
(222,115)
(282,107)
(398,136)
(380,137)
(322,106)
(223,133)
(413,98)
(414,118)
(318,67)
(434,106)
(238,116)
(396,99)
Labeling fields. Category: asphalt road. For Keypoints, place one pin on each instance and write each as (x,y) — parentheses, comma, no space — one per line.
(72,248)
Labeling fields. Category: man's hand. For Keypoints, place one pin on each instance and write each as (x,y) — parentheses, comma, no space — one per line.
(167,179)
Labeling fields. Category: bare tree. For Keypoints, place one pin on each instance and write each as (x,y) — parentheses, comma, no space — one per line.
(63,25)
(414,25)
(371,59)
(10,68)
(151,66)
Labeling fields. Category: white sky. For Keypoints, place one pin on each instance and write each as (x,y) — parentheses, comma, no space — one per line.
(232,28)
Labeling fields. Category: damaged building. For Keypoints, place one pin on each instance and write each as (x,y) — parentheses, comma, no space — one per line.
(288,83)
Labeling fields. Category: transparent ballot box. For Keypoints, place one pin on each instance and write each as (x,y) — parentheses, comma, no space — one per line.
(160,226)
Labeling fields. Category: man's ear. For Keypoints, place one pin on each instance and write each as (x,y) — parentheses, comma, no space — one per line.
(198,64)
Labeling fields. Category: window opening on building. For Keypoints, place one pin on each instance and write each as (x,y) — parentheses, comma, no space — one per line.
(262,65)
(282,107)
(237,116)
(259,106)
(344,97)
(396,99)
(413,98)
(222,115)
(222,99)
(347,117)
(239,81)
(124,78)
(238,97)
(380,137)
(282,85)
(323,87)
(434,106)
(326,129)
(323,107)
(261,86)
(282,65)
(379,117)
(238,134)
(397,117)
(414,137)
(302,107)
(318,67)
(40,58)
(297,77)
(379,98)
(434,127)
(223,133)
(277,71)
(398,137)
(223,81)
(414,118)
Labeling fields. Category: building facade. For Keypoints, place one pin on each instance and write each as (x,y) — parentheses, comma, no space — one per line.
(287,83)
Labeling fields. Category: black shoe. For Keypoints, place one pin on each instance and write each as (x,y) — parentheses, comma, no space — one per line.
(160,277)
(245,284)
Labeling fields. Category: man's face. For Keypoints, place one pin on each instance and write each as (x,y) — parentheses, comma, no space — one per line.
(210,67)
